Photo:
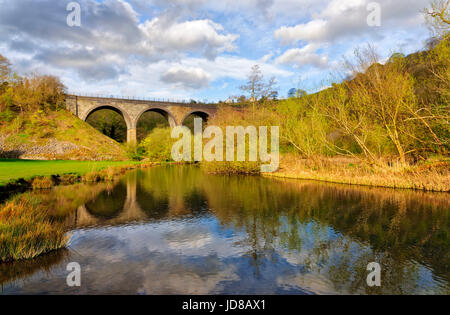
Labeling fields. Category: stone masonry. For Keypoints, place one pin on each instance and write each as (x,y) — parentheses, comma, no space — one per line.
(132,110)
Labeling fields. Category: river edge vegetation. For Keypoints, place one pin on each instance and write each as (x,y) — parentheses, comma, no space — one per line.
(30,226)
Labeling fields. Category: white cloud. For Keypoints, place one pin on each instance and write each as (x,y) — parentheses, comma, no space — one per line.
(348,18)
(111,35)
(313,30)
(200,35)
(266,57)
(303,56)
(194,78)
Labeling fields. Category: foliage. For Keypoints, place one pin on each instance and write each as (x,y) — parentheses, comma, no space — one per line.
(34,93)
(303,126)
(232,168)
(26,230)
(109,123)
(396,111)
(42,183)
(28,94)
(149,121)
(158,145)
(388,114)
(5,74)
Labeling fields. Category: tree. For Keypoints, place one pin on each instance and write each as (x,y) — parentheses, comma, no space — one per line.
(5,70)
(438,18)
(256,87)
(5,73)
(38,92)
(296,93)
(254,84)
(292,93)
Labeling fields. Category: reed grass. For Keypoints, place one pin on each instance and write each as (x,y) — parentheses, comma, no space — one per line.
(430,177)
(26,231)
(42,183)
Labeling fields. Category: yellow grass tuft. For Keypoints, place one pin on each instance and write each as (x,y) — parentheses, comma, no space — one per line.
(42,183)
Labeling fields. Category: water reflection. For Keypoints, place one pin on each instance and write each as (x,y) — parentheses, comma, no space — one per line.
(109,203)
(173,230)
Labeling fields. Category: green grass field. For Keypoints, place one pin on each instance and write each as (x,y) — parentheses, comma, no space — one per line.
(12,170)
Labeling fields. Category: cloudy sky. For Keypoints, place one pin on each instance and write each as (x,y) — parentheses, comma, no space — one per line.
(200,49)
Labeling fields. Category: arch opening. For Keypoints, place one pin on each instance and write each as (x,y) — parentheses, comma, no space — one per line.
(151,119)
(188,121)
(108,204)
(110,121)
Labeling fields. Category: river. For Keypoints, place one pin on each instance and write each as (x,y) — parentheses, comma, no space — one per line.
(176,230)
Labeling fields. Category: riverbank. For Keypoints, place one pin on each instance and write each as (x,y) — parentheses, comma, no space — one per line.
(18,176)
(30,227)
(14,170)
(434,176)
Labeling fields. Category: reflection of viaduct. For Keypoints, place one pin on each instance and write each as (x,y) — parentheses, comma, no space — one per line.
(132,110)
(127,208)
(131,211)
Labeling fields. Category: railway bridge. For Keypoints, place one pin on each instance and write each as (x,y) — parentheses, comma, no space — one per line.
(132,109)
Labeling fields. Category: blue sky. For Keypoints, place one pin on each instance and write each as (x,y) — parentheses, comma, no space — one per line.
(197,48)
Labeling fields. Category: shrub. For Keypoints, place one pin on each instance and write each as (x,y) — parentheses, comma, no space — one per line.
(109,174)
(68,179)
(158,145)
(244,168)
(42,183)
(92,177)
(135,153)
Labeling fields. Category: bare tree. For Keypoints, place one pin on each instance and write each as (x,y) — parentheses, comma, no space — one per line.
(257,88)
(5,70)
(255,84)
(438,18)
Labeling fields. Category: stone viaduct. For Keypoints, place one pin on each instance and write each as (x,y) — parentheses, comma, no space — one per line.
(131,110)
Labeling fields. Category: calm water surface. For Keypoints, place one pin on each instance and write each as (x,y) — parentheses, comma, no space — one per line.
(175,230)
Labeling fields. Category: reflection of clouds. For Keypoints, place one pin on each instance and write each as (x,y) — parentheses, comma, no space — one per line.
(143,259)
(200,241)
(182,279)
(107,246)
(323,261)
(194,257)
(183,237)
(315,283)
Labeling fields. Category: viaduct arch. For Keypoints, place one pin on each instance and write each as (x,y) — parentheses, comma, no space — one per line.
(132,110)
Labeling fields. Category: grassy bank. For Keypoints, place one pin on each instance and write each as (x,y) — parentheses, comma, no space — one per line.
(13,170)
(55,135)
(432,176)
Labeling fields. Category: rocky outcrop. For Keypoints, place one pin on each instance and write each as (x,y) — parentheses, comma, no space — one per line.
(53,149)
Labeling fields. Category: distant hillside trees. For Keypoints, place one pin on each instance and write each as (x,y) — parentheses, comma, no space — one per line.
(296,93)
(22,94)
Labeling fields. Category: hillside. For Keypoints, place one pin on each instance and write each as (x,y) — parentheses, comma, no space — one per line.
(55,135)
